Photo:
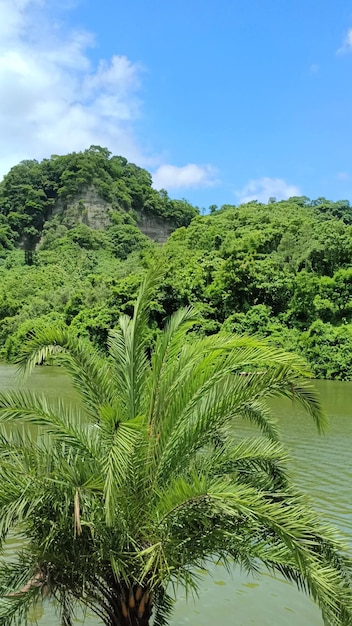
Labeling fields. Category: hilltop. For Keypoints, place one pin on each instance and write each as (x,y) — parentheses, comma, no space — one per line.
(91,188)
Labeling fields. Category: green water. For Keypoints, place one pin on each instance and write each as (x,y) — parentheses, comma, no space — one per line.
(320,464)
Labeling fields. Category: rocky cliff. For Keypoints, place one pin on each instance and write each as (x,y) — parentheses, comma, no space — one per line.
(89,208)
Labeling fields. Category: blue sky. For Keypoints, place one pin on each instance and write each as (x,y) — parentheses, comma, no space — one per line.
(222,101)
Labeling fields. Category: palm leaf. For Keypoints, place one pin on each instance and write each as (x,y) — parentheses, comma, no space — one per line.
(89,372)
(127,347)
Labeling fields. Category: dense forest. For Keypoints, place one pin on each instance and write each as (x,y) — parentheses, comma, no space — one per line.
(281,270)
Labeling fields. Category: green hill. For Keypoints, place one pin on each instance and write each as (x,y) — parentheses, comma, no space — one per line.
(77,232)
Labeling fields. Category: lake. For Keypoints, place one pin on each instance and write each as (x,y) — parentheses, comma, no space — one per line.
(321,465)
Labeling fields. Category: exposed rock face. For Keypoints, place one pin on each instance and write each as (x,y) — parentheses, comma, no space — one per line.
(90,209)
(155,228)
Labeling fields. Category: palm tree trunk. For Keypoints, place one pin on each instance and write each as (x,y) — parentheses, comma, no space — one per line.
(136,607)
(120,605)
(134,620)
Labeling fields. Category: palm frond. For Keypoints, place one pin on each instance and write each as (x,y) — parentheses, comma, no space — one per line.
(163,607)
(257,412)
(130,367)
(128,349)
(116,465)
(65,423)
(90,373)
(250,461)
(167,349)
(203,403)
(197,513)
(214,404)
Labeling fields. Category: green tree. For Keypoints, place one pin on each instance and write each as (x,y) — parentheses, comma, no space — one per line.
(117,503)
(329,348)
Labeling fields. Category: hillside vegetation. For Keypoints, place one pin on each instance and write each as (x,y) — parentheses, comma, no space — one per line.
(282,270)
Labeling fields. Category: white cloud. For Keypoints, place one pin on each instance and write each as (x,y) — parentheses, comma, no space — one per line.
(262,189)
(347,43)
(53,100)
(191,175)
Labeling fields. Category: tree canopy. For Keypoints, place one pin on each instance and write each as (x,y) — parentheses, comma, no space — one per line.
(280,270)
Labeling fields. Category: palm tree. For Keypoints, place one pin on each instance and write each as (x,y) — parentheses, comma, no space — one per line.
(117,503)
